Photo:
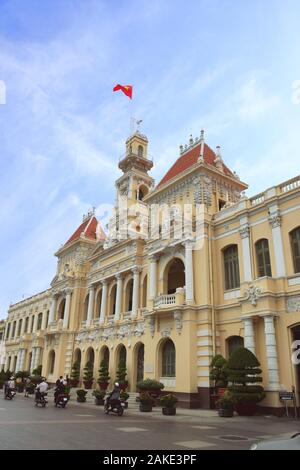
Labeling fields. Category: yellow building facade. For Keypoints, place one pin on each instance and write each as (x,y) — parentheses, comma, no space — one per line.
(189,268)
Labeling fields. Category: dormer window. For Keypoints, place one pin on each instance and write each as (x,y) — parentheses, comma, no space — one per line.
(140,151)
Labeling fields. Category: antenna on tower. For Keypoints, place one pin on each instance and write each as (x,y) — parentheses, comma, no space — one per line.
(135,125)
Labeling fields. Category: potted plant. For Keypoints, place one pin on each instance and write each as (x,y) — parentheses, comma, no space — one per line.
(121,375)
(104,377)
(153,387)
(75,374)
(37,371)
(225,406)
(124,397)
(88,378)
(20,378)
(244,374)
(81,395)
(146,402)
(218,374)
(99,397)
(168,403)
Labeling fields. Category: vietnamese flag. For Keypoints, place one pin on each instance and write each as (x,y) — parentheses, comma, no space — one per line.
(127,89)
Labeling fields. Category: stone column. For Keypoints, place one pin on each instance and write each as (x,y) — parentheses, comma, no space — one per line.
(189,271)
(44,319)
(118,297)
(90,306)
(249,341)
(103,302)
(67,308)
(153,277)
(275,221)
(35,322)
(18,360)
(23,327)
(244,233)
(271,352)
(135,296)
(52,313)
(22,359)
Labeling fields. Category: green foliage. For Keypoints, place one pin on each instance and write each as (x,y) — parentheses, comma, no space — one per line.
(124,395)
(121,373)
(37,371)
(149,384)
(243,371)
(81,393)
(168,401)
(75,372)
(146,399)
(103,373)
(22,374)
(99,394)
(36,379)
(218,371)
(88,372)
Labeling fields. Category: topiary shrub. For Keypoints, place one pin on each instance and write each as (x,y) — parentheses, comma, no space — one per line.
(88,375)
(218,371)
(244,376)
(75,374)
(104,377)
(121,375)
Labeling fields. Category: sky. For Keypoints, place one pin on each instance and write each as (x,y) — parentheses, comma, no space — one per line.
(230,68)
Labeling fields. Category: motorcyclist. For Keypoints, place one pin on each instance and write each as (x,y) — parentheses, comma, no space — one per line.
(11,385)
(114,397)
(41,389)
(60,388)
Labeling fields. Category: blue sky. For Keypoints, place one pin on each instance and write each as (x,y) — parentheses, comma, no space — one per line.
(221,65)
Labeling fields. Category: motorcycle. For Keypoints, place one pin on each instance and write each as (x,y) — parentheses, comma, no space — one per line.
(10,394)
(41,399)
(62,399)
(116,408)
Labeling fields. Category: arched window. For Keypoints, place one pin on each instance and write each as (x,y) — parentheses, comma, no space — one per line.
(86,306)
(140,151)
(8,331)
(14,329)
(40,320)
(144,292)
(20,327)
(233,343)
(295,244)
(51,362)
(129,296)
(176,276)
(61,309)
(112,303)
(98,303)
(231,267)
(263,258)
(168,359)
(26,325)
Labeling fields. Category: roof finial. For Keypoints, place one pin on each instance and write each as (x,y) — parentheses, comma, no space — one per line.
(201,156)
(218,160)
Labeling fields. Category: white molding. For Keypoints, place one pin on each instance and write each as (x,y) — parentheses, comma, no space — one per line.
(232,294)
(295,281)
(203,383)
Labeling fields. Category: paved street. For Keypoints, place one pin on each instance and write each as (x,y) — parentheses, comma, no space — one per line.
(84,426)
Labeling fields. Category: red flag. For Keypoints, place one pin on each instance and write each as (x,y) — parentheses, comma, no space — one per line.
(127,89)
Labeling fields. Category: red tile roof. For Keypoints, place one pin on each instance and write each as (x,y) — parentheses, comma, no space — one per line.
(91,228)
(188,159)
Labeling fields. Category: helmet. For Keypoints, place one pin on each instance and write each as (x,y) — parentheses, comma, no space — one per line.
(116,384)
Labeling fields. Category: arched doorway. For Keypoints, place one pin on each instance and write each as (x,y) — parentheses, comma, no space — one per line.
(296,337)
(174,276)
(233,343)
(168,359)
(140,353)
(51,362)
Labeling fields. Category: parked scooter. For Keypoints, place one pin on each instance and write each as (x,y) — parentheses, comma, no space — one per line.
(117,407)
(10,393)
(62,399)
(41,399)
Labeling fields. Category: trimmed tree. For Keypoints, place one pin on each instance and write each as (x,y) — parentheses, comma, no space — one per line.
(75,374)
(104,377)
(244,375)
(88,375)
(121,375)
(218,372)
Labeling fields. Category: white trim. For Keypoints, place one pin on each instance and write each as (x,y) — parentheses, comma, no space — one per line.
(203,383)
(295,281)
(232,294)
(203,373)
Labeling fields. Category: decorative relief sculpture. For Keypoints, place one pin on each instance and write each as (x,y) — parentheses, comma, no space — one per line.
(252,294)
(178,321)
(293,304)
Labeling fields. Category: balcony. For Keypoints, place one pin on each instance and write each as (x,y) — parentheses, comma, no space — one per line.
(170,300)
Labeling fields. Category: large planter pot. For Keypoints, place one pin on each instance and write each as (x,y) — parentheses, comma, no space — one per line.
(88,384)
(99,401)
(221,392)
(74,383)
(169,411)
(20,388)
(246,409)
(81,400)
(103,386)
(225,413)
(146,408)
